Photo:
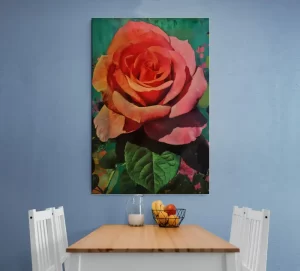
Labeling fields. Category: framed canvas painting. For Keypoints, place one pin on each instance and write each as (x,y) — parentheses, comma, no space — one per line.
(150,106)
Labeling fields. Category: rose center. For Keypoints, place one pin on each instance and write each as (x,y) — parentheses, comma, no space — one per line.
(152,65)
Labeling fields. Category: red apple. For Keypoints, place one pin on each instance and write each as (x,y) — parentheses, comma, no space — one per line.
(170,209)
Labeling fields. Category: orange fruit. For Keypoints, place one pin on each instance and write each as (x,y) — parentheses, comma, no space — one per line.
(173,220)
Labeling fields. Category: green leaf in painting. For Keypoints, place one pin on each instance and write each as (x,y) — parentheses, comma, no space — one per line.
(149,169)
(205,131)
(104,177)
(113,179)
(127,185)
(108,160)
(204,101)
(180,184)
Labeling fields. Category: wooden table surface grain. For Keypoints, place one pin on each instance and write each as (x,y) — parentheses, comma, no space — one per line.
(151,238)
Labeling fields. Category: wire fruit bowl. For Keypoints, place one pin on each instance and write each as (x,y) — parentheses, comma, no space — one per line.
(162,219)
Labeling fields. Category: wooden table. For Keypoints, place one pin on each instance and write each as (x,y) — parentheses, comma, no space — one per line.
(148,248)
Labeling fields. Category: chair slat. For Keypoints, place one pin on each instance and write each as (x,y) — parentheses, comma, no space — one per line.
(43,227)
(252,230)
(41,246)
(47,243)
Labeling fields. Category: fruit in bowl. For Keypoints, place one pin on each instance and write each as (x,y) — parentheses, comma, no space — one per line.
(167,215)
(157,206)
(163,218)
(173,220)
(170,209)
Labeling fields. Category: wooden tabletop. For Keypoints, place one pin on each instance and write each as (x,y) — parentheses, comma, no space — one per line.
(150,238)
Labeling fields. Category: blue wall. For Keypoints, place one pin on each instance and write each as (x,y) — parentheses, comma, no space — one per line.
(45,118)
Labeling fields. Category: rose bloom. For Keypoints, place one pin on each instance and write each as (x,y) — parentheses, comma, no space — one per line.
(149,79)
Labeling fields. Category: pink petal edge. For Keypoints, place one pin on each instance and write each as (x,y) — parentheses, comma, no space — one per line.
(185,49)
(181,136)
(195,91)
(177,131)
(108,124)
(180,77)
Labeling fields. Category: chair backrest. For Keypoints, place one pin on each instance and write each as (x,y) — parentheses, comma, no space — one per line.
(256,232)
(237,226)
(61,236)
(237,237)
(42,240)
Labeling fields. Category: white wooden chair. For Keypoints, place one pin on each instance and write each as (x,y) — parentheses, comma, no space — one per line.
(255,243)
(237,232)
(42,240)
(61,238)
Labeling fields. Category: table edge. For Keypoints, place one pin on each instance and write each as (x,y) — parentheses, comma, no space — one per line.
(70,249)
(150,250)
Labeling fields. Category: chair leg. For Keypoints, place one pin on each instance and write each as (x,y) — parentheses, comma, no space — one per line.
(67,264)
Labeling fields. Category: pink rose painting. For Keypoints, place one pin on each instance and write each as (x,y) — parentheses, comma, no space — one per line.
(150,106)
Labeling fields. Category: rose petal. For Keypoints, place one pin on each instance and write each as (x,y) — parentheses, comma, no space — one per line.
(99,80)
(163,57)
(122,81)
(134,48)
(191,94)
(153,97)
(185,49)
(111,85)
(140,88)
(133,32)
(131,125)
(177,131)
(108,124)
(107,99)
(161,60)
(139,114)
(179,77)
(126,63)
(147,74)
(142,65)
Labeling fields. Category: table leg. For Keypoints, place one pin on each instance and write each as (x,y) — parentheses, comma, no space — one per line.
(230,262)
(74,262)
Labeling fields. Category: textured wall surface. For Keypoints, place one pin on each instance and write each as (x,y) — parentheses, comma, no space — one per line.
(45,118)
